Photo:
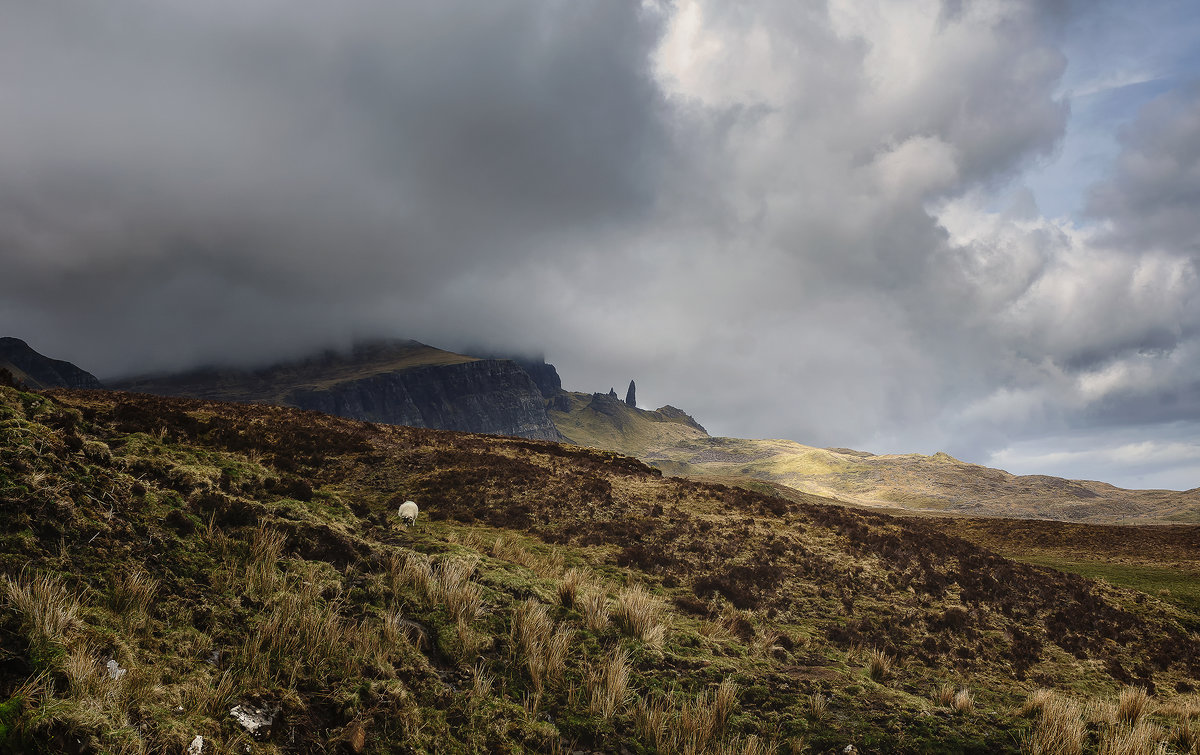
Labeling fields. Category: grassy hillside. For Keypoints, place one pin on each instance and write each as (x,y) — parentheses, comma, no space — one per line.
(271,385)
(931,484)
(597,421)
(167,562)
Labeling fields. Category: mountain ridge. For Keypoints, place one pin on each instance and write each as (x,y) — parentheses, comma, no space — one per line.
(390,381)
(39,371)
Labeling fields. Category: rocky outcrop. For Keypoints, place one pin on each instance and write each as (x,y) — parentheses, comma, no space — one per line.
(37,371)
(631,395)
(544,376)
(485,396)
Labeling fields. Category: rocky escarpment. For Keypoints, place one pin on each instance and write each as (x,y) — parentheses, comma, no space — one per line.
(38,371)
(391,382)
(485,396)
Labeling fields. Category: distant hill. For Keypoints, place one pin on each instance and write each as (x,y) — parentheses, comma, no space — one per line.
(673,442)
(38,371)
(394,382)
(602,421)
(915,482)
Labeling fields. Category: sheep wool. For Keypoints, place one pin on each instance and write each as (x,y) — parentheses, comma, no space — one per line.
(408,513)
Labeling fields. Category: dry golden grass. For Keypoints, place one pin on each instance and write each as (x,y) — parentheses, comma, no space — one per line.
(543,647)
(1186,736)
(1036,701)
(818,706)
(608,686)
(879,664)
(302,633)
(48,611)
(481,683)
(262,573)
(637,613)
(1060,729)
(944,696)
(1143,738)
(765,644)
(594,606)
(723,702)
(569,585)
(963,701)
(653,723)
(1132,704)
(416,572)
(544,565)
(453,587)
(748,745)
(131,596)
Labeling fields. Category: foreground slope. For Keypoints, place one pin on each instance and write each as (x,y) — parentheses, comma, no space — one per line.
(551,598)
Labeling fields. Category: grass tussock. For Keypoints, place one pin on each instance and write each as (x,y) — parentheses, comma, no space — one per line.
(879,664)
(1143,738)
(453,587)
(594,607)
(547,565)
(132,594)
(748,745)
(608,685)
(695,725)
(568,587)
(1059,730)
(542,645)
(637,613)
(818,706)
(481,683)
(1132,704)
(964,701)
(1185,737)
(943,697)
(48,611)
(262,564)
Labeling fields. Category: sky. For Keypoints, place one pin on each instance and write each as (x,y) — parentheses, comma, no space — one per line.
(898,226)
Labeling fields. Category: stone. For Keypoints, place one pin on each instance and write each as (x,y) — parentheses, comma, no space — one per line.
(114,670)
(631,395)
(256,721)
(355,737)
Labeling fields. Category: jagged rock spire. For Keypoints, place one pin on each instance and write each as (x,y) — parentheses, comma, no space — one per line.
(631,394)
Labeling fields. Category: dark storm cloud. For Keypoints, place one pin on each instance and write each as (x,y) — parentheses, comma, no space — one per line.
(779,216)
(235,179)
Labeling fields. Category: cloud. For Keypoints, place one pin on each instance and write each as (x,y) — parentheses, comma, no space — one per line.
(324,161)
(781,217)
(1151,198)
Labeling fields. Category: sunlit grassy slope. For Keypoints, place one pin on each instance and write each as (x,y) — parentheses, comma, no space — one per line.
(915,482)
(551,598)
(602,422)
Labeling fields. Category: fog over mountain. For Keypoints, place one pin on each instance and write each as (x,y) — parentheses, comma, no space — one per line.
(915,226)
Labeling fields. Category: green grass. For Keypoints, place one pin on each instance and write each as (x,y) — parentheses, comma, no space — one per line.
(353,624)
(1180,588)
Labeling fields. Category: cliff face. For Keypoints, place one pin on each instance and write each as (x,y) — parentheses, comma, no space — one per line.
(38,371)
(392,382)
(485,396)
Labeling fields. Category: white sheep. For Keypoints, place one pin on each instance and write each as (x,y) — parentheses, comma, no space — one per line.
(408,513)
